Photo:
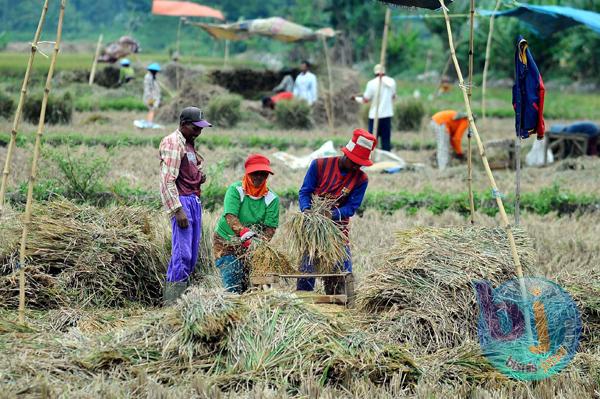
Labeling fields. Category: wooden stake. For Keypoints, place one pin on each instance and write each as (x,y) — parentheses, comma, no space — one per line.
(486,165)
(470,87)
(17,118)
(178,50)
(226,58)
(95,63)
(488,50)
(329,101)
(382,63)
(34,165)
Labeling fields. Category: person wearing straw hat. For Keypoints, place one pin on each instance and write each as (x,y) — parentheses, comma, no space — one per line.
(340,178)
(250,210)
(180,179)
(126,72)
(151,91)
(386,105)
(449,127)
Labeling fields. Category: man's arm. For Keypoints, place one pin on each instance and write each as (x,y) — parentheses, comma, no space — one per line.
(308,187)
(170,161)
(354,200)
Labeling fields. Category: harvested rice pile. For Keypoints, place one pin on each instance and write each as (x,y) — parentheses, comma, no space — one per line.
(345,85)
(84,256)
(424,284)
(312,234)
(193,92)
(585,290)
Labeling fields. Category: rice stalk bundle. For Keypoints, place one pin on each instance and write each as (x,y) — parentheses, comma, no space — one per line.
(263,259)
(97,257)
(313,236)
(425,282)
(585,291)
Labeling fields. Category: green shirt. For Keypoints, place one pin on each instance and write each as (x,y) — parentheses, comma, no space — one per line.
(249,211)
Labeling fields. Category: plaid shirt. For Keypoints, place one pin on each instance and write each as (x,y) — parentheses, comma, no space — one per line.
(172,150)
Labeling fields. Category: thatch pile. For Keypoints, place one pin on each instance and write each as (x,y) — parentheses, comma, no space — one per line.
(193,92)
(85,256)
(585,290)
(314,236)
(345,85)
(425,283)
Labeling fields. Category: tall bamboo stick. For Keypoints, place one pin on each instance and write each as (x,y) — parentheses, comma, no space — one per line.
(328,100)
(518,180)
(488,51)
(34,164)
(17,118)
(486,165)
(95,63)
(470,87)
(382,63)
(178,54)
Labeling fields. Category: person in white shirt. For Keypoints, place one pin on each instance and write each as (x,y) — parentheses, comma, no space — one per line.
(305,86)
(386,106)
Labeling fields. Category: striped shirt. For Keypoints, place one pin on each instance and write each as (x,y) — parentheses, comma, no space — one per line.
(173,149)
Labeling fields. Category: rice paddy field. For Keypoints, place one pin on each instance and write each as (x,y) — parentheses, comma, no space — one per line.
(99,245)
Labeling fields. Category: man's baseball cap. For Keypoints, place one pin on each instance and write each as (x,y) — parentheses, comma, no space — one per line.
(193,115)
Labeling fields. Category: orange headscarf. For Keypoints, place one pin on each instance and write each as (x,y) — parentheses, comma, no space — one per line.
(256,192)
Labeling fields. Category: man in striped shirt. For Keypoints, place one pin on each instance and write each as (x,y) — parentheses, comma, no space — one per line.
(180,179)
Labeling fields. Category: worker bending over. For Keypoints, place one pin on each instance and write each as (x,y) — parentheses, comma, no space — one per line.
(449,127)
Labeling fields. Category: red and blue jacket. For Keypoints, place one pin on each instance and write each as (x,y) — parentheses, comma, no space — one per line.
(324,178)
(528,93)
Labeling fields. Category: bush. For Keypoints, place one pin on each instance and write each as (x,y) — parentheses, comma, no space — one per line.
(363,115)
(7,105)
(224,110)
(409,114)
(58,110)
(293,114)
(107,76)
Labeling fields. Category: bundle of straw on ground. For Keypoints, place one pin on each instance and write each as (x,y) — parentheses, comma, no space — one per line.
(82,255)
(314,236)
(425,283)
(585,290)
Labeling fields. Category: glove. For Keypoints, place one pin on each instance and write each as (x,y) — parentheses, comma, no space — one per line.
(246,236)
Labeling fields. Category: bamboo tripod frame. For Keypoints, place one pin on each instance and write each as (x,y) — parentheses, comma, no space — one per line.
(23,95)
(382,63)
(470,92)
(34,164)
(486,165)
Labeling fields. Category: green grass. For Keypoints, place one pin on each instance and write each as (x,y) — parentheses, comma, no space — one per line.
(90,103)
(246,141)
(14,64)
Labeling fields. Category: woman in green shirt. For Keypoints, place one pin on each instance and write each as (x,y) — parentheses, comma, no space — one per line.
(248,204)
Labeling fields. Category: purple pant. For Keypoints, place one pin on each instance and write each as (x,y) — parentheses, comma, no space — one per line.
(185,242)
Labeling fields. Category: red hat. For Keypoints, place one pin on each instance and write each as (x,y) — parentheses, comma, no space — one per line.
(257,163)
(359,148)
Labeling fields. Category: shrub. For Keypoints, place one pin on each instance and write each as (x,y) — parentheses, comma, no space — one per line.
(293,114)
(409,114)
(107,76)
(58,110)
(224,110)
(364,115)
(7,105)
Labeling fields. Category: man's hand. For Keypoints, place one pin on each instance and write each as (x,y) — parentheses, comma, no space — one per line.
(151,102)
(246,236)
(181,218)
(203,178)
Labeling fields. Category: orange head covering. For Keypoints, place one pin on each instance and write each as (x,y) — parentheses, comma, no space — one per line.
(256,163)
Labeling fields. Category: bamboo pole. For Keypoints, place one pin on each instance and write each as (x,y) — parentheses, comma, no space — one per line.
(95,63)
(518,181)
(488,51)
(178,55)
(226,58)
(329,100)
(382,63)
(470,133)
(503,217)
(34,164)
(17,118)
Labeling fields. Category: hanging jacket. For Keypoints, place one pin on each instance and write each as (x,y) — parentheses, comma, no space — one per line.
(528,93)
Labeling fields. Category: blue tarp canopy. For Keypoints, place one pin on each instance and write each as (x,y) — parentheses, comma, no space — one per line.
(546,20)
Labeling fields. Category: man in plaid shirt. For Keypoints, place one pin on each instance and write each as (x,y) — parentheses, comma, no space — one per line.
(180,179)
